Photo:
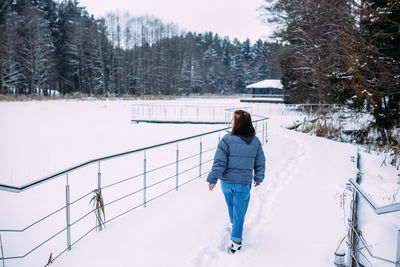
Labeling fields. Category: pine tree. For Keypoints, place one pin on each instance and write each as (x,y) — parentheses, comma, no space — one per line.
(246,58)
(226,65)
(68,46)
(209,59)
(238,68)
(188,46)
(63,48)
(10,67)
(37,51)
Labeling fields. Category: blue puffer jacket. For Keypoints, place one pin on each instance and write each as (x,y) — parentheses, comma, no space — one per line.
(236,158)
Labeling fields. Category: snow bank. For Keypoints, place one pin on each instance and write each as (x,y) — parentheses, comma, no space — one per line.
(381,182)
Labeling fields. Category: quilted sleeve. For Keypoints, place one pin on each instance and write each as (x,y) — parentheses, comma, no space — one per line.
(220,162)
(259,165)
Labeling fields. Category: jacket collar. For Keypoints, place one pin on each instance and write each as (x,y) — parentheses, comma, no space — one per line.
(246,139)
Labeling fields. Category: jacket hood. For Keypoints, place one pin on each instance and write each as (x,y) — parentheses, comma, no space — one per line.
(247,139)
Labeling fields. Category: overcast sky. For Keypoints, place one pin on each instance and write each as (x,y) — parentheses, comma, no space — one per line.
(233,18)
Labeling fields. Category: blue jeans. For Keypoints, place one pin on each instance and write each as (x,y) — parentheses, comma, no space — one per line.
(237,198)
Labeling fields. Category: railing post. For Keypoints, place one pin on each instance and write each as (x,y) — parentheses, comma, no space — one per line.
(2,252)
(144,179)
(197,112)
(213,113)
(263,138)
(99,177)
(68,214)
(398,249)
(149,111)
(201,152)
(177,166)
(353,252)
(266,132)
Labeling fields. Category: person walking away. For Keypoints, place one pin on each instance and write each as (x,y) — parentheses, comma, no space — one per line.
(238,162)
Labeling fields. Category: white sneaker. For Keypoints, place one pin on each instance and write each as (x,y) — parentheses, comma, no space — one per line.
(234,247)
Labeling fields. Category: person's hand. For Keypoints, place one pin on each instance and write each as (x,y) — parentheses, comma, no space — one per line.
(256,184)
(211,186)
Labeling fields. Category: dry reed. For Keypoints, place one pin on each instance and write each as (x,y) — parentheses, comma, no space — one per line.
(50,260)
(98,205)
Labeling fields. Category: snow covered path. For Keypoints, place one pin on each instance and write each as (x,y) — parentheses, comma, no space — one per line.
(294,218)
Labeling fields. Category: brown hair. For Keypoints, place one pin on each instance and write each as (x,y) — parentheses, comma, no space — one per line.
(242,124)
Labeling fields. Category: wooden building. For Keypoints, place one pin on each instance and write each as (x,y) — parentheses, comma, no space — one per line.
(266,87)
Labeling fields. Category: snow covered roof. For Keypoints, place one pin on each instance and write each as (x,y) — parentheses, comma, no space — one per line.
(269,83)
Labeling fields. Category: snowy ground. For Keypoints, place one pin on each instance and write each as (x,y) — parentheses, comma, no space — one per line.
(294,219)
(40,138)
(296,210)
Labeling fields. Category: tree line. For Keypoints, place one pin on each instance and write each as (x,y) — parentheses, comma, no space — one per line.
(342,51)
(47,45)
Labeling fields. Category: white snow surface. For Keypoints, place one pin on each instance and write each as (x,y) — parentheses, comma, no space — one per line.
(40,138)
(295,217)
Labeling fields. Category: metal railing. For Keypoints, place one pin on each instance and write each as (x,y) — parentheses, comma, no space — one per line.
(184,113)
(379,210)
(195,171)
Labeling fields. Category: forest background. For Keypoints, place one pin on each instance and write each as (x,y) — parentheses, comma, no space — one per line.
(325,52)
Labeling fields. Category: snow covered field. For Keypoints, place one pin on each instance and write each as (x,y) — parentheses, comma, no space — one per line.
(295,218)
(39,138)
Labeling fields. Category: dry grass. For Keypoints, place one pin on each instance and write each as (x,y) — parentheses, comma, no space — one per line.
(83,97)
(328,127)
(156,97)
(395,161)
(129,97)
(98,208)
(306,126)
(16,98)
(322,127)
(324,123)
(50,260)
(392,155)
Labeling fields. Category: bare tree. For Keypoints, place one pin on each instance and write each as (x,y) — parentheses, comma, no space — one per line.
(374,65)
(312,56)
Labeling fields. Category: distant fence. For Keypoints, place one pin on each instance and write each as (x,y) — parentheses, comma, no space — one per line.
(184,113)
(65,207)
(218,113)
